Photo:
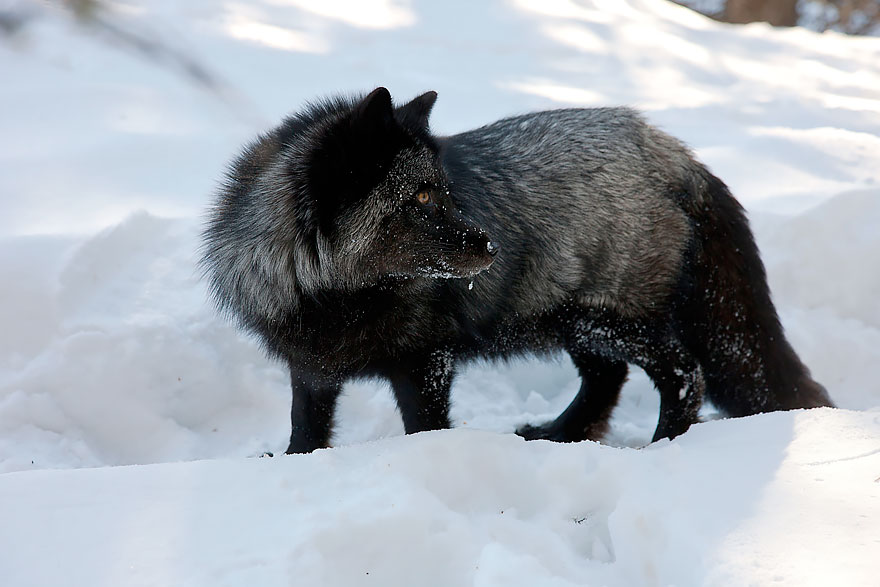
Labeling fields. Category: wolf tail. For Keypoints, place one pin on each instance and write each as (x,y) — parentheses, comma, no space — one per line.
(726,316)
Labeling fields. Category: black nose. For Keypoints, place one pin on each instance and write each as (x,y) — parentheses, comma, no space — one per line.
(492,248)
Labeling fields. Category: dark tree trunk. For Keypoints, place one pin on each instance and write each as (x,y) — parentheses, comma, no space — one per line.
(776,12)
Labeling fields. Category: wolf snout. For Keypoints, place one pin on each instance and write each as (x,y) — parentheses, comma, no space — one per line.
(484,247)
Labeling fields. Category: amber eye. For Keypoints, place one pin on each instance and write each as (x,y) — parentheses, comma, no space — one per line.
(423,197)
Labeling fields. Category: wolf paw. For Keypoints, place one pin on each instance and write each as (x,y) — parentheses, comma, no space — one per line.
(546,431)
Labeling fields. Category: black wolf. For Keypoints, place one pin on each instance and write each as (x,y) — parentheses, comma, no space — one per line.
(354,243)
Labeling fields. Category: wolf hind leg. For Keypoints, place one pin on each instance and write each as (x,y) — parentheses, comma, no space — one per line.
(421,387)
(586,418)
(652,345)
(311,411)
(679,380)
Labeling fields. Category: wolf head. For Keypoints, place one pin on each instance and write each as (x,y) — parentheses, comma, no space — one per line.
(338,197)
(381,198)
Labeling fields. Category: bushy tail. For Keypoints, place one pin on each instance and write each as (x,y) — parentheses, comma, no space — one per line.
(726,316)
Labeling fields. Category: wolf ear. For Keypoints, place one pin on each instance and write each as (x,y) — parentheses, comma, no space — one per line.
(375,108)
(415,113)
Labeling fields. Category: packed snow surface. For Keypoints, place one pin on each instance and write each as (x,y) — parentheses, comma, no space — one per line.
(729,503)
(110,353)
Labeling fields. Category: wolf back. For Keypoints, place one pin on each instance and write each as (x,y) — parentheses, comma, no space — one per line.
(354,243)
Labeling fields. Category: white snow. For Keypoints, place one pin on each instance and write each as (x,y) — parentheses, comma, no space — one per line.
(111,355)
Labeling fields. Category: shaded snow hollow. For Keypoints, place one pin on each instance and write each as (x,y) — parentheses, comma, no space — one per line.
(110,354)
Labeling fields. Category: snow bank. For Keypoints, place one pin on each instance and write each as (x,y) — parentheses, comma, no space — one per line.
(469,507)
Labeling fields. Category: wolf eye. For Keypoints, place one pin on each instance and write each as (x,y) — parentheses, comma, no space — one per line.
(423,197)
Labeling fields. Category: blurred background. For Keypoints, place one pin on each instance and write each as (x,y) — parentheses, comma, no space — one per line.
(152,72)
(855,17)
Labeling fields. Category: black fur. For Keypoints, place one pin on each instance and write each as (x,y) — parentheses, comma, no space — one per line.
(354,243)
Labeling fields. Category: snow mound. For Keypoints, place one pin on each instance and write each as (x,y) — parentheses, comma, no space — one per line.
(464,507)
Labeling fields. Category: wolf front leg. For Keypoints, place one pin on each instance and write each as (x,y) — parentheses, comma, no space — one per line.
(311,411)
(421,387)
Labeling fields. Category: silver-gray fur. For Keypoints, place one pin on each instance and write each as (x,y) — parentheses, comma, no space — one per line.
(564,183)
